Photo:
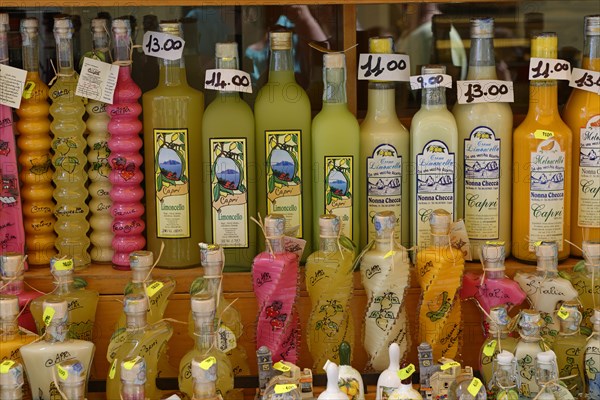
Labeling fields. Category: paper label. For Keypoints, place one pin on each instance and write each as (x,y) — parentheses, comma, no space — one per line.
(279,366)
(63,265)
(406,372)
(474,387)
(589,175)
(449,365)
(384,67)
(490,348)
(284,388)
(585,79)
(29,88)
(172,192)
(429,81)
(5,366)
(284,176)
(229,182)
(339,190)
(113,369)
(207,363)
(384,187)
(12,83)
(484,91)
(482,184)
(459,239)
(163,45)
(154,288)
(228,80)
(547,195)
(435,186)
(294,245)
(97,80)
(542,134)
(385,392)
(226,340)
(62,373)
(549,68)
(48,315)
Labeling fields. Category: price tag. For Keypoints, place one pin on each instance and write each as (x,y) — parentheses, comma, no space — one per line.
(549,68)
(63,265)
(113,369)
(279,366)
(228,80)
(62,373)
(48,315)
(163,45)
(585,80)
(450,365)
(281,389)
(128,365)
(489,348)
(389,254)
(12,83)
(97,80)
(28,91)
(542,135)
(563,313)
(429,81)
(294,245)
(226,340)
(485,91)
(495,242)
(384,67)
(155,287)
(207,363)
(406,372)
(5,366)
(474,387)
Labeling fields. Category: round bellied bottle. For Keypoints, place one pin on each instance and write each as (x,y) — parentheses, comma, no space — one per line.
(505,380)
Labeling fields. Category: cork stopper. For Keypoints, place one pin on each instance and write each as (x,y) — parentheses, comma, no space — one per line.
(226,50)
(210,254)
(440,221)
(11,265)
(499,318)
(546,357)
(482,28)
(203,304)
(329,225)
(172,28)
(202,372)
(592,25)
(141,259)
(505,358)
(29,26)
(381,45)
(493,255)
(99,25)
(63,27)
(274,225)
(61,266)
(433,69)
(9,306)
(546,250)
(71,372)
(135,303)
(60,307)
(281,40)
(596,318)
(591,252)
(121,26)
(530,322)
(11,377)
(384,222)
(544,45)
(334,60)
(133,370)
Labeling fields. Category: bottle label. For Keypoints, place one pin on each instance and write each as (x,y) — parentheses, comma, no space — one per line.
(171,183)
(482,184)
(229,194)
(435,186)
(592,366)
(284,176)
(384,186)
(339,190)
(547,194)
(589,175)
(385,392)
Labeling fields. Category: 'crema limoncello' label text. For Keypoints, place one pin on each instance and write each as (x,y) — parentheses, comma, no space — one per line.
(589,175)
(229,193)
(171,183)
(339,190)
(284,176)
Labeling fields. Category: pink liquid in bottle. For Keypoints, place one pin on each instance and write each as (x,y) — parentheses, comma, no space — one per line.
(125,158)
(275,281)
(11,269)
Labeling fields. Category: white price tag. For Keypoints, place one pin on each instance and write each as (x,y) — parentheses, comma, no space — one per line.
(485,91)
(97,80)
(384,67)
(585,79)
(429,81)
(228,80)
(549,68)
(12,83)
(163,45)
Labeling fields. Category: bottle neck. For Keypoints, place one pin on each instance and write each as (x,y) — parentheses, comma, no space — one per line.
(136,320)
(11,393)
(8,328)
(482,63)
(64,283)
(334,80)
(226,63)
(495,274)
(64,52)
(122,46)
(131,391)
(281,62)
(204,331)
(140,275)
(591,53)
(382,100)
(543,98)
(74,392)
(547,267)
(328,244)
(4,48)
(101,45)
(593,269)
(57,332)
(433,98)
(545,372)
(384,242)
(172,73)
(204,390)
(13,286)
(439,240)
(30,53)
(505,377)
(277,245)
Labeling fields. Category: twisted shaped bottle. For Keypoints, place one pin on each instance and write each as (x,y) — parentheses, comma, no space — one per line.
(36,161)
(385,275)
(125,158)
(69,159)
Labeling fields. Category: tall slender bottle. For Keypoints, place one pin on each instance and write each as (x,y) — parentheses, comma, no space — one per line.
(439,273)
(125,158)
(497,340)
(72,378)
(97,125)
(283,143)
(433,146)
(69,160)
(587,283)
(335,149)
(388,380)
(172,137)
(12,380)
(542,172)
(205,379)
(384,155)
(12,234)
(529,345)
(505,381)
(133,378)
(582,114)
(385,274)
(11,336)
(36,161)
(592,358)
(329,282)
(547,378)
(484,151)
(11,271)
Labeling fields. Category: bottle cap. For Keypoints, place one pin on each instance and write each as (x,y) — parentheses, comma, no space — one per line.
(71,372)
(281,40)
(381,45)
(493,256)
(135,303)
(329,225)
(505,357)
(99,25)
(546,356)
(226,50)
(530,322)
(61,266)
(440,221)
(29,24)
(11,264)
(544,45)
(274,225)
(63,27)
(141,259)
(591,252)
(384,222)
(203,303)
(210,254)
(172,28)
(12,376)
(203,371)
(9,306)
(121,25)
(592,25)
(482,28)
(547,250)
(499,317)
(133,370)
(60,307)
(433,69)
(334,60)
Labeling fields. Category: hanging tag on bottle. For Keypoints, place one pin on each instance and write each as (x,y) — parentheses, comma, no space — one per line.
(228,80)
(284,388)
(562,313)
(460,238)
(279,366)
(63,265)
(97,80)
(62,373)
(113,369)
(384,67)
(430,81)
(28,91)
(226,340)
(474,387)
(484,91)
(128,365)
(549,68)
(5,366)
(294,245)
(12,83)
(490,348)
(207,363)
(155,287)
(406,372)
(449,365)
(162,45)
(585,79)
(48,315)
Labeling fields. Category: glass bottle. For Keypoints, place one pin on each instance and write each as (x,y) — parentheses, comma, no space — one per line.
(546,376)
(542,172)
(350,380)
(142,339)
(439,273)
(203,311)
(11,336)
(546,289)
(12,380)
(504,383)
(384,154)
(172,136)
(335,149)
(459,389)
(283,143)
(529,345)
(204,379)
(125,158)
(388,380)
(569,348)
(485,151)
(12,232)
(41,357)
(229,151)
(433,146)
(69,160)
(11,271)
(385,274)
(582,115)
(97,153)
(329,282)
(587,282)
(71,377)
(275,282)
(36,161)
(497,340)
(81,302)
(133,378)
(592,358)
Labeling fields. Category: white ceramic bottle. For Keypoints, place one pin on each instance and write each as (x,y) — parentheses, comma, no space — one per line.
(388,380)
(332,392)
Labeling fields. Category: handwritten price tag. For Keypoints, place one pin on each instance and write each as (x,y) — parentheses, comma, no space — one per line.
(542,134)
(62,373)
(429,81)
(207,363)
(12,83)
(406,372)
(48,315)
(474,387)
(549,68)
(5,366)
(281,389)
(97,80)
(450,365)
(384,67)
(228,80)
(495,242)
(485,91)
(154,288)
(128,365)
(489,348)
(585,80)
(63,265)
(163,45)
(562,313)
(279,366)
